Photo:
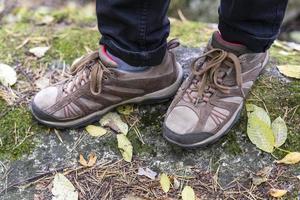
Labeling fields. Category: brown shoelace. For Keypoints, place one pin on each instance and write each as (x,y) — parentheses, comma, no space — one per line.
(212,74)
(89,68)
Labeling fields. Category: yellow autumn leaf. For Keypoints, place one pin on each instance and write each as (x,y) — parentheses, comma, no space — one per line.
(277,192)
(125,109)
(92,158)
(188,193)
(165,183)
(290,70)
(125,147)
(95,131)
(290,158)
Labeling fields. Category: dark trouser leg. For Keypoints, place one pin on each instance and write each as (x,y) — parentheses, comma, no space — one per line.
(134,30)
(254,23)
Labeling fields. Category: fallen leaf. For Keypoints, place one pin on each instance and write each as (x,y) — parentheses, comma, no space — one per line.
(292,71)
(42,82)
(259,112)
(280,131)
(176,183)
(48,19)
(165,183)
(92,158)
(188,193)
(39,51)
(290,159)
(125,109)
(293,45)
(282,45)
(63,189)
(261,176)
(284,53)
(8,76)
(259,130)
(258,180)
(147,172)
(125,147)
(95,131)
(114,121)
(277,192)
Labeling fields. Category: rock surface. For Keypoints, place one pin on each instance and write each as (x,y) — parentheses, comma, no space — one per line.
(51,154)
(72,34)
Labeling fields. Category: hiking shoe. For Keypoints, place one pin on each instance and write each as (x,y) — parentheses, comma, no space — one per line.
(98,84)
(209,102)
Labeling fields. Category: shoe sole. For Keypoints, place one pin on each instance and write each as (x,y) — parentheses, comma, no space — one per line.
(219,134)
(155,97)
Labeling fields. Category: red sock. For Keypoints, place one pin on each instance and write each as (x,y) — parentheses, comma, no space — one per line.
(219,35)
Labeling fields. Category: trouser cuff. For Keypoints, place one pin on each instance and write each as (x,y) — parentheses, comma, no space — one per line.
(143,58)
(252,42)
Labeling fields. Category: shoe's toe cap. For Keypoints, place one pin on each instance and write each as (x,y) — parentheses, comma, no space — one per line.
(180,126)
(42,101)
(181,120)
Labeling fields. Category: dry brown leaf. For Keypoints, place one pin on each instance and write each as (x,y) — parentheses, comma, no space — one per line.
(277,192)
(92,158)
(261,176)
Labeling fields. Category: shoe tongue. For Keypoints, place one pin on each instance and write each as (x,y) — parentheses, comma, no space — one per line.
(218,42)
(105,58)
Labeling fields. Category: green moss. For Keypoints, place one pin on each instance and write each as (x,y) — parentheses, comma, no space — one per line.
(138,147)
(10,38)
(111,142)
(17,131)
(13,50)
(193,34)
(72,43)
(72,14)
(231,145)
(282,57)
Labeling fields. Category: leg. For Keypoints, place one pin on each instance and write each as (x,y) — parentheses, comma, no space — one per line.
(211,99)
(135,31)
(134,34)
(254,23)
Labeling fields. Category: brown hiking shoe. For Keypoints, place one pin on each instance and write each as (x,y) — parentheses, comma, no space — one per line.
(209,102)
(98,85)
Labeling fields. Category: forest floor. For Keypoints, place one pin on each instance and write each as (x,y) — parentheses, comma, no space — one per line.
(32,154)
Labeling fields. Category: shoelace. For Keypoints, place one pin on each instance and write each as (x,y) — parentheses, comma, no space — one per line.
(89,68)
(212,74)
